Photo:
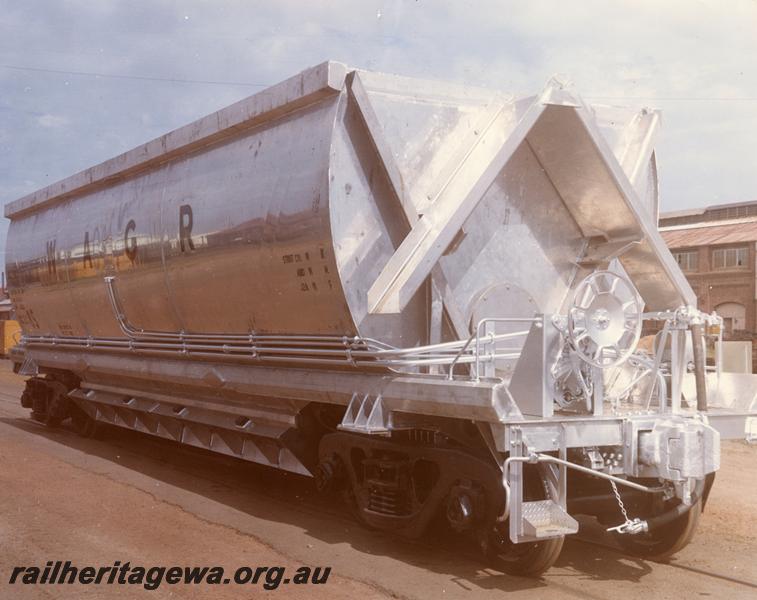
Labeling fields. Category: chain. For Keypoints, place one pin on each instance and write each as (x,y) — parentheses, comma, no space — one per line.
(631,526)
(620,502)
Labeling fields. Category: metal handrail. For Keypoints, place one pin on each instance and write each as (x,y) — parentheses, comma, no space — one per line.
(257,352)
(353,350)
(477,334)
(499,320)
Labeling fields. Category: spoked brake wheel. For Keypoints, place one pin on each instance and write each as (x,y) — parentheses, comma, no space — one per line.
(604,320)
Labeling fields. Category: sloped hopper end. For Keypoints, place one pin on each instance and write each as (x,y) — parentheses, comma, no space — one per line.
(580,173)
(575,163)
(604,204)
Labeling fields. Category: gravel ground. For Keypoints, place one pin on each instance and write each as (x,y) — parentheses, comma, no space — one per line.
(130,497)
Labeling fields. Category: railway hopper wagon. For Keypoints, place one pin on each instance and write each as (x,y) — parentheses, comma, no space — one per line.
(428,297)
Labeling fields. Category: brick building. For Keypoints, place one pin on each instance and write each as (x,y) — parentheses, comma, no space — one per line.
(716,247)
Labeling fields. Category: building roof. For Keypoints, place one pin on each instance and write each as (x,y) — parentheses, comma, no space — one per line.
(708,234)
(717,212)
(706,209)
(688,212)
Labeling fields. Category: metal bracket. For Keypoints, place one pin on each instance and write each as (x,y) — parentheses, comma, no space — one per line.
(532,383)
(366,414)
(538,519)
(29,367)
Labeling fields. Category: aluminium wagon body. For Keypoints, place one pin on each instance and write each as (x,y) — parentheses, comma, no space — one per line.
(428,296)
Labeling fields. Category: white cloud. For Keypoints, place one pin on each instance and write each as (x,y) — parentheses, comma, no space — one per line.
(53,120)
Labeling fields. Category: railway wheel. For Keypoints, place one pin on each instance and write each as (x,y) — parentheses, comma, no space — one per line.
(48,401)
(83,424)
(40,416)
(528,559)
(663,542)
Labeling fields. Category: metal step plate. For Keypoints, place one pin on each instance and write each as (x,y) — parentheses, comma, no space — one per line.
(545,519)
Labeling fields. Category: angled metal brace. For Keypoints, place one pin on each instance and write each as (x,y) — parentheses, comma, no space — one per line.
(469,177)
(393,173)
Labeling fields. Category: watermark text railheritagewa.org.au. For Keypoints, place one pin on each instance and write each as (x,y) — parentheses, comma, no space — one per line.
(151,578)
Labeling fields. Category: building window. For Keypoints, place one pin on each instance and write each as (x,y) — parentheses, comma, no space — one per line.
(734,316)
(729,258)
(688,261)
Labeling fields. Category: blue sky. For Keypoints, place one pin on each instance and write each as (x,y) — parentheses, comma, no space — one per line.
(82,81)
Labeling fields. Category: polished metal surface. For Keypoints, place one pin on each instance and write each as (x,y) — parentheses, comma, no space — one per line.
(263,263)
(288,212)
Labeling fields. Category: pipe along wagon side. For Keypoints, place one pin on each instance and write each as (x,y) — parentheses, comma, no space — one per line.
(428,297)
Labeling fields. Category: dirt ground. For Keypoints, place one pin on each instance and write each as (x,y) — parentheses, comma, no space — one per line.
(130,497)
